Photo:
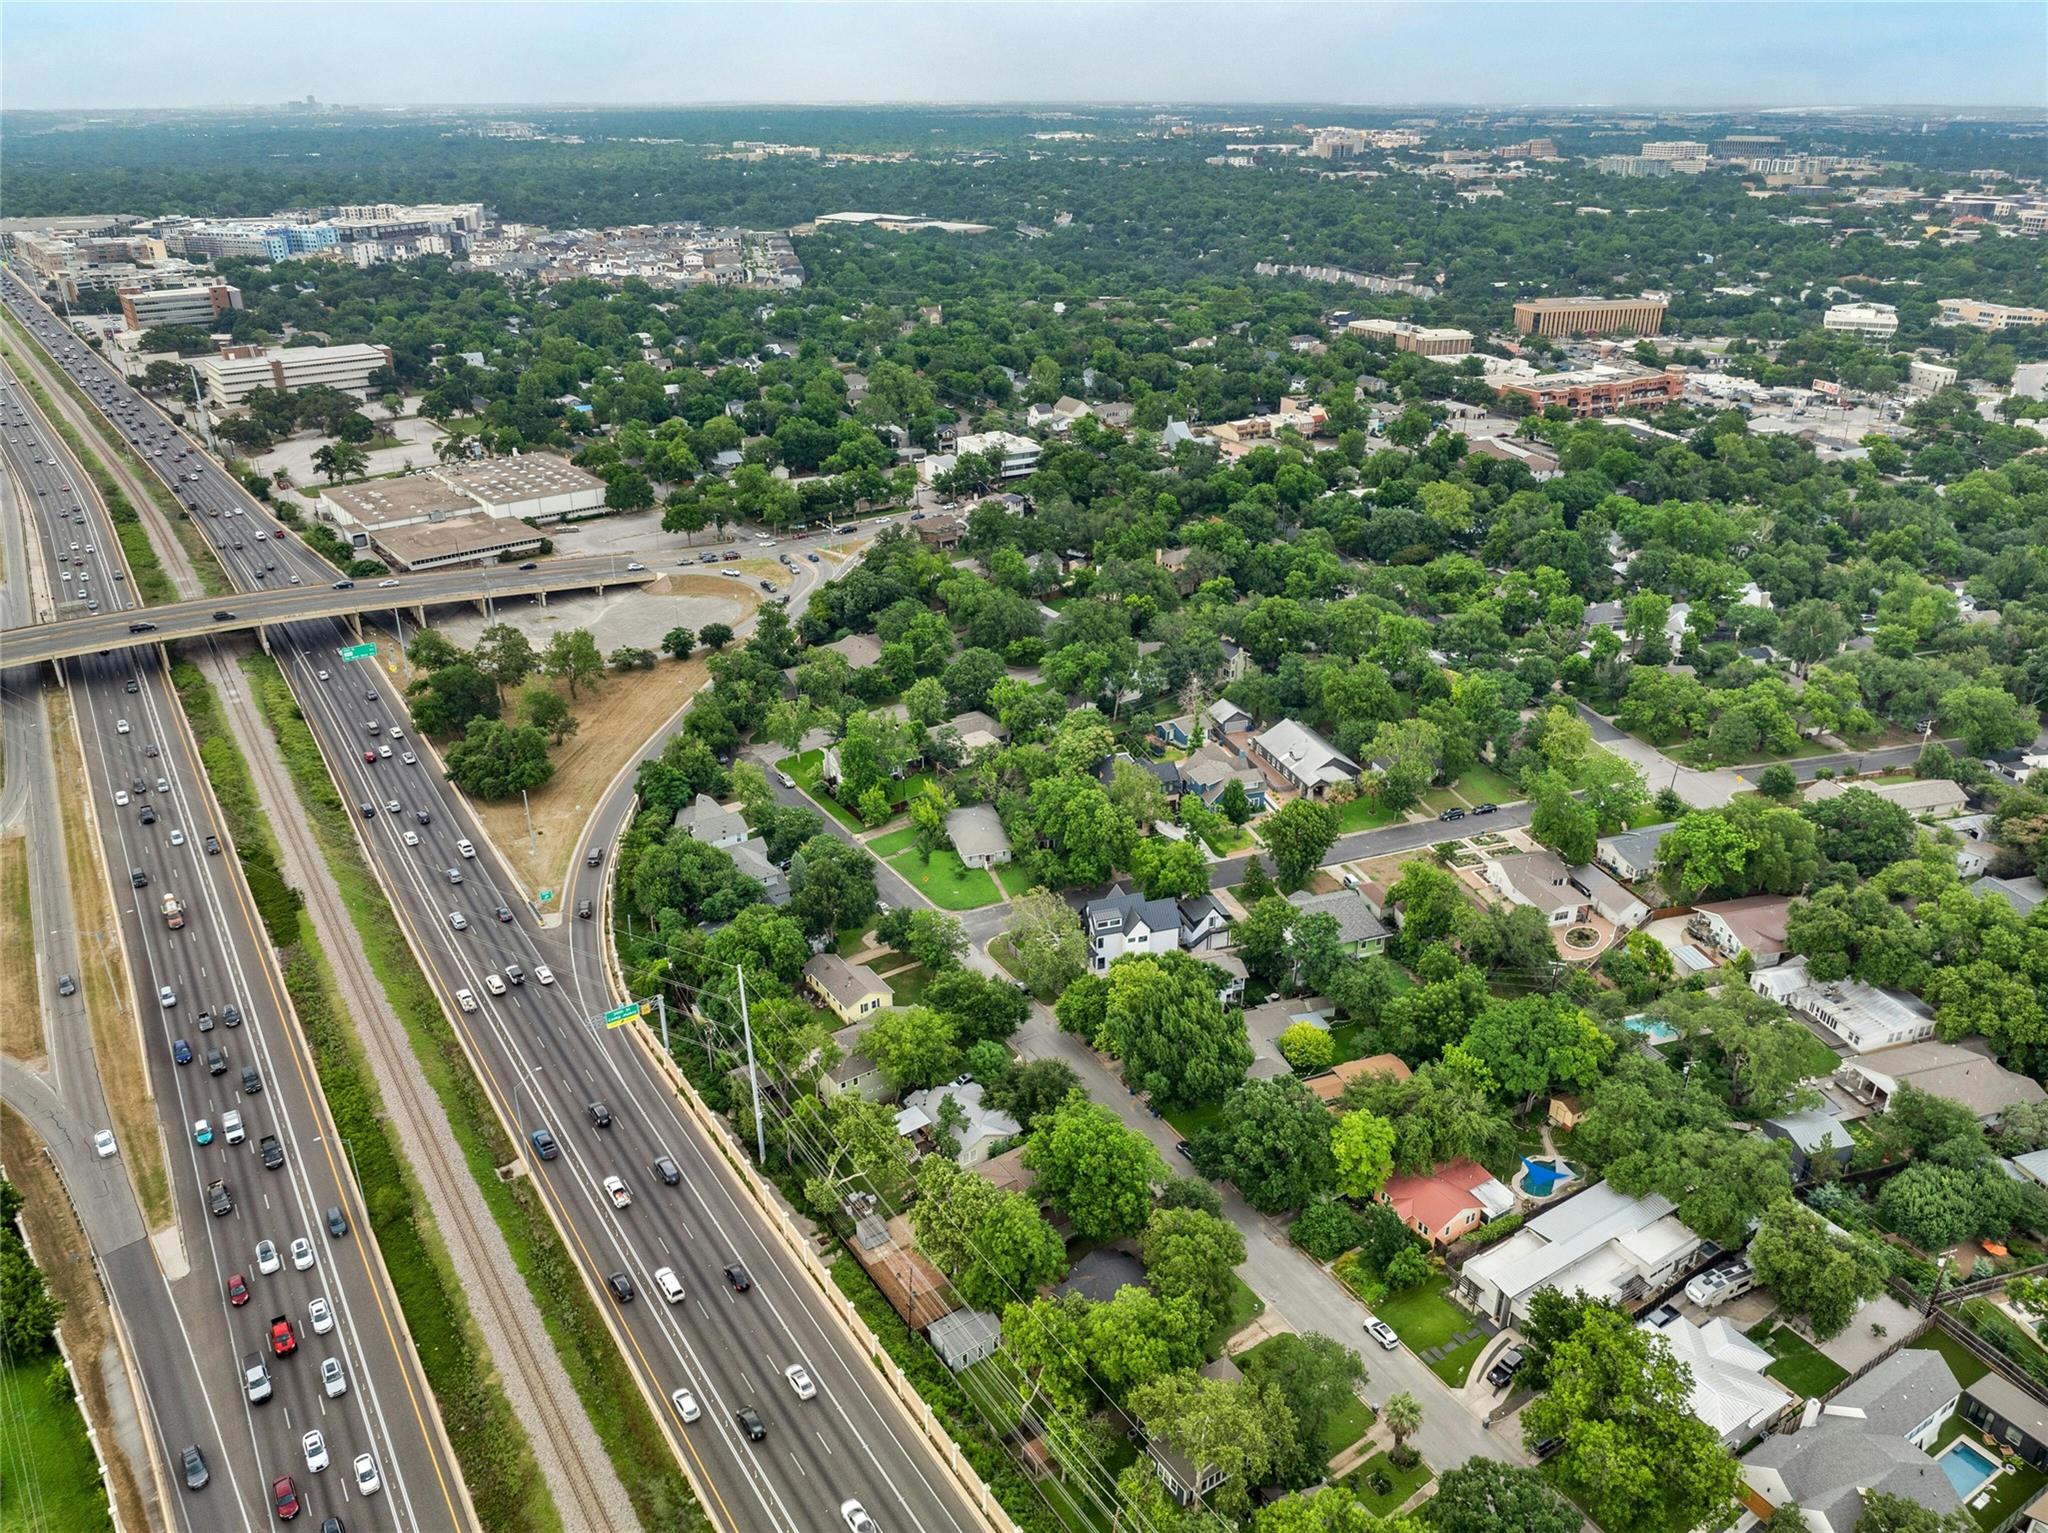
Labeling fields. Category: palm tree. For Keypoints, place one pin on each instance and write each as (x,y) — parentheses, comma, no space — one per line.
(1403,1416)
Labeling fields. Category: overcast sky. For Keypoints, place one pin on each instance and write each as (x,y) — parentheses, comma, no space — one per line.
(1779,53)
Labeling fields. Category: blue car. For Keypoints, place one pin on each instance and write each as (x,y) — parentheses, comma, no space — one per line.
(544,1144)
(181,1052)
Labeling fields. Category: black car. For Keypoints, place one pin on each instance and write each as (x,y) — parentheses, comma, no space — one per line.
(750,1423)
(369,810)
(583,910)
(665,1168)
(1503,1372)
(131,687)
(504,913)
(1487,808)
(529,565)
(425,817)
(544,1144)
(273,1152)
(1452,814)
(231,1014)
(600,1114)
(736,1275)
(196,1474)
(1186,1149)
(337,1222)
(66,985)
(252,1081)
(621,1286)
(593,857)
(223,617)
(213,846)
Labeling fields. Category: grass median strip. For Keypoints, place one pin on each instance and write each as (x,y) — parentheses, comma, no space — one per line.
(103,976)
(604,1385)
(152,583)
(492,1448)
(21,1017)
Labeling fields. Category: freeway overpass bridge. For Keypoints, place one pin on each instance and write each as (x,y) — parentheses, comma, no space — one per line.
(170,621)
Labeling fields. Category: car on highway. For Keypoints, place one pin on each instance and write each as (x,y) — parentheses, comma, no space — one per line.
(736,1275)
(857,1518)
(615,1188)
(181,1052)
(666,1169)
(302,1254)
(466,848)
(267,1259)
(392,806)
(231,1014)
(544,974)
(332,1379)
(685,1404)
(196,1472)
(337,1222)
(583,910)
(238,1289)
(177,838)
(800,1380)
(368,1481)
(458,920)
(320,1315)
(621,1286)
(231,1127)
(66,985)
(369,810)
(409,758)
(148,815)
(750,1423)
(543,1142)
(120,798)
(504,913)
(103,1143)
(670,1285)
(213,846)
(166,997)
(314,1446)
(202,1131)
(494,984)
(466,999)
(411,838)
(284,1496)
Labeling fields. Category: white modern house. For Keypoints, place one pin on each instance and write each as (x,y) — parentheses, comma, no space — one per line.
(1611,1245)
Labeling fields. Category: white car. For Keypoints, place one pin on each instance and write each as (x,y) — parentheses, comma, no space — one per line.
(120,726)
(384,752)
(177,838)
(544,974)
(670,1285)
(409,759)
(332,1379)
(315,1444)
(103,1143)
(368,1481)
(685,1404)
(466,999)
(323,675)
(267,1260)
(458,920)
(616,1189)
(1382,1333)
(392,806)
(320,1315)
(120,798)
(494,984)
(800,1381)
(856,1515)
(302,1254)
(411,838)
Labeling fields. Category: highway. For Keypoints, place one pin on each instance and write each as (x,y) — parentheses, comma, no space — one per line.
(544,1057)
(82,631)
(172,1293)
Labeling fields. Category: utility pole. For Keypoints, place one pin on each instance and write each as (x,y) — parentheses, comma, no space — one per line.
(532,846)
(661,1006)
(753,1074)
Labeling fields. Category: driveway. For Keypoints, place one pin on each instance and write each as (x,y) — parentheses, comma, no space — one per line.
(1295,1288)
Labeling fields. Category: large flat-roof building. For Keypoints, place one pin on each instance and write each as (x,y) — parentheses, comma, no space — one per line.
(194,304)
(1987,316)
(1590,316)
(459,513)
(536,486)
(1861,319)
(236,372)
(1422,340)
(1591,392)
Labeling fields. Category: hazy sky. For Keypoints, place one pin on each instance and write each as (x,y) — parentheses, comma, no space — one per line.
(1779,53)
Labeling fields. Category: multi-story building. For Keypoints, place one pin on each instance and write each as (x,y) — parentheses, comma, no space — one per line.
(1590,316)
(1423,340)
(1862,319)
(1675,149)
(1928,377)
(1596,391)
(1631,165)
(1987,316)
(1020,454)
(197,304)
(238,371)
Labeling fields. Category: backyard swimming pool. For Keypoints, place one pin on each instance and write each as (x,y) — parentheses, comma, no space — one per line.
(1650,1028)
(1967,1469)
(1541,1177)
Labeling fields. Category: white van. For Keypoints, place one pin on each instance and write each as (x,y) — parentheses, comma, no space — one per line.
(670,1285)
(231,1127)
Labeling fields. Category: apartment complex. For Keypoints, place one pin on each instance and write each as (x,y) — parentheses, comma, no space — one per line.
(1590,316)
(1423,340)
(1675,149)
(199,303)
(238,371)
(1987,316)
(1595,391)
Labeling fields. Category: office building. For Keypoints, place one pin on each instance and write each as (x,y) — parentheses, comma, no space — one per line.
(1423,340)
(1019,453)
(238,371)
(1862,319)
(1987,316)
(196,304)
(1631,165)
(1590,316)
(1928,377)
(1595,391)
(1675,149)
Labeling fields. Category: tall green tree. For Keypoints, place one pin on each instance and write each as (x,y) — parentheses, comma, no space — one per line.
(1094,1169)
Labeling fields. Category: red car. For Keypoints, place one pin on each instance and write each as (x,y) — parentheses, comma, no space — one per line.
(369,758)
(285,1496)
(282,1342)
(238,1290)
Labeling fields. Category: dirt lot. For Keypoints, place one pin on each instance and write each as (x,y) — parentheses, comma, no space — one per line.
(103,980)
(62,1251)
(21,1019)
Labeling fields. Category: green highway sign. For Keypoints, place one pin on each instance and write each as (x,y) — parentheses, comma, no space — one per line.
(547,896)
(625,1013)
(357,651)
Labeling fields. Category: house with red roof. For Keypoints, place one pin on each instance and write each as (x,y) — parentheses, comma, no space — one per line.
(1442,1204)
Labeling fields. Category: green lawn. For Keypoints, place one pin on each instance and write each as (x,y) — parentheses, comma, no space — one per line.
(895,841)
(946,881)
(1423,1317)
(1401,1483)
(46,1461)
(1799,1367)
(1245,1307)
(1228,838)
(1190,1121)
(2009,1492)
(908,985)
(1364,813)
(1343,1428)
(1014,879)
(804,769)
(1962,1362)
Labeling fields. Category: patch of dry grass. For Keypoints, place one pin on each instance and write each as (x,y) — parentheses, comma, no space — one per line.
(21,1017)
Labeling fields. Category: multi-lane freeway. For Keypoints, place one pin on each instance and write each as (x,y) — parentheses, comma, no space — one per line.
(209,984)
(82,631)
(520,998)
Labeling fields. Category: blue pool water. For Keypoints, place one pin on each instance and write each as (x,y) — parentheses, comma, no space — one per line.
(1650,1028)
(1967,1469)
(1544,1175)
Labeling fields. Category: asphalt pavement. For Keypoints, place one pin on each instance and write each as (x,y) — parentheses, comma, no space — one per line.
(544,1057)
